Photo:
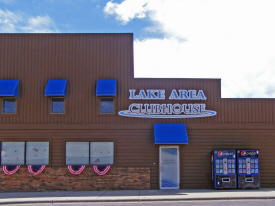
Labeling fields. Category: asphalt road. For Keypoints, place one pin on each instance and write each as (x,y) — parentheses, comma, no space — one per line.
(164,203)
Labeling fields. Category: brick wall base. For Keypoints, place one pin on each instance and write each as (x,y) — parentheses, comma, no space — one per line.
(57,178)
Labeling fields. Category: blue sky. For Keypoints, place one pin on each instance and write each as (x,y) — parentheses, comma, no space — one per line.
(69,16)
(228,39)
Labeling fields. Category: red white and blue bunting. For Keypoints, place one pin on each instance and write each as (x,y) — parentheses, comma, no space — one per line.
(36,169)
(102,170)
(9,170)
(76,169)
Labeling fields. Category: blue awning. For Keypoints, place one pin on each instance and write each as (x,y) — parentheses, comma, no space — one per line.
(56,88)
(9,88)
(170,134)
(106,87)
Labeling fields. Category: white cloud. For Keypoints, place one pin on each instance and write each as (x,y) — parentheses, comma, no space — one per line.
(127,10)
(7,1)
(233,40)
(14,22)
(40,24)
(8,21)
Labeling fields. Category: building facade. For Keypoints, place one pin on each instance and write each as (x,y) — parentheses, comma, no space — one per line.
(72,99)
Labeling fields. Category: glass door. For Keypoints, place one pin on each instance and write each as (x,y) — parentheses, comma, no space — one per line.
(169,167)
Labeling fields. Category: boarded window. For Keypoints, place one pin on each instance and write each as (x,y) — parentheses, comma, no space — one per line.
(101,153)
(13,153)
(37,153)
(77,153)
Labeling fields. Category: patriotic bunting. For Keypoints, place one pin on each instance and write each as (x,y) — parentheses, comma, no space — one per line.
(9,170)
(76,169)
(102,170)
(36,169)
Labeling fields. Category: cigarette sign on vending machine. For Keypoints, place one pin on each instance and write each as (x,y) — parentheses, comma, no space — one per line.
(223,163)
(248,169)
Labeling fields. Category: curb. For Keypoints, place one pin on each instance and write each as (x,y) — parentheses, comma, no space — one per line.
(21,201)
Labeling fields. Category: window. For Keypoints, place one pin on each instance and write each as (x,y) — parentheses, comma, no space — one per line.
(93,153)
(77,153)
(9,106)
(106,105)
(13,153)
(106,90)
(57,91)
(101,153)
(37,153)
(57,105)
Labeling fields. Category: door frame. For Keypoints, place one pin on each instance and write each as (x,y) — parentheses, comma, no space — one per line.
(178,164)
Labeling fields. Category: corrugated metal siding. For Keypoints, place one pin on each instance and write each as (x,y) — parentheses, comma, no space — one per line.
(82,59)
(195,157)
(247,111)
(79,58)
(169,84)
(134,148)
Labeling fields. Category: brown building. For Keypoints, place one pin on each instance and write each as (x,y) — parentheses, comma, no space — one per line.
(72,99)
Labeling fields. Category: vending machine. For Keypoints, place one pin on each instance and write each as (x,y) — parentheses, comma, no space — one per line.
(223,164)
(248,169)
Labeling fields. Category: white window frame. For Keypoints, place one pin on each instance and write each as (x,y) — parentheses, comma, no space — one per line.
(161,169)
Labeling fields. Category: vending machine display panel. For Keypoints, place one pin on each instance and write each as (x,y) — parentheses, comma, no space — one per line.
(248,169)
(223,164)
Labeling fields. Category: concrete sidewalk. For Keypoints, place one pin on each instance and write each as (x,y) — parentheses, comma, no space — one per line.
(133,196)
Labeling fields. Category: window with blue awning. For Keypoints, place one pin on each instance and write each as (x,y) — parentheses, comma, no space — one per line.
(9,88)
(170,133)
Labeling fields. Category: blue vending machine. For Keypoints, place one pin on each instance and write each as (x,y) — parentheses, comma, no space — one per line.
(248,169)
(223,164)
